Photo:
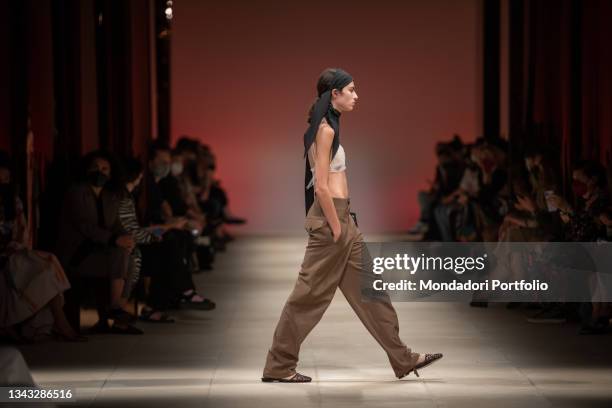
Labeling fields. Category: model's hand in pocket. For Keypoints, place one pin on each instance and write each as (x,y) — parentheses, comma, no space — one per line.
(336,232)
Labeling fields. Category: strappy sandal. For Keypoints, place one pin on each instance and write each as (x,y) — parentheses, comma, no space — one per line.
(297,378)
(146,314)
(187,301)
(429,359)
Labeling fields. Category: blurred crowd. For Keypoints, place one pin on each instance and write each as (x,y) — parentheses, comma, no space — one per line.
(130,237)
(480,194)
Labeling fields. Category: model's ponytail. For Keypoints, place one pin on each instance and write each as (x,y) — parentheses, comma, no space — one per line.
(312,109)
(324,83)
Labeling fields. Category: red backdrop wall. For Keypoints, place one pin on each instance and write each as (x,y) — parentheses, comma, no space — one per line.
(244,75)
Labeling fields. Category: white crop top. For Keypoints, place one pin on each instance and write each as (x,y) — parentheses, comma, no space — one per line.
(337,164)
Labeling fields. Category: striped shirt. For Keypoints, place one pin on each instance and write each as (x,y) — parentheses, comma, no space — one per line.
(129,221)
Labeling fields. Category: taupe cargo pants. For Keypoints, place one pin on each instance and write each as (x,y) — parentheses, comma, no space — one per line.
(326,266)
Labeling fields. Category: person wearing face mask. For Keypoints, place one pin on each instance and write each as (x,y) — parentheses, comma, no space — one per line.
(93,244)
(186,152)
(177,192)
(176,238)
(583,223)
(170,186)
(131,180)
(177,166)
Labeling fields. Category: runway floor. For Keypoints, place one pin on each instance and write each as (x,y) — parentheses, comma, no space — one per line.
(493,357)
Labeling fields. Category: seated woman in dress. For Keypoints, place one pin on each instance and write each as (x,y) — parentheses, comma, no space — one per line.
(31,282)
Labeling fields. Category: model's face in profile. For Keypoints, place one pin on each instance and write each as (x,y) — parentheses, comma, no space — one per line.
(345,101)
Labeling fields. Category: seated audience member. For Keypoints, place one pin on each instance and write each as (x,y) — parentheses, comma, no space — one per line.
(131,179)
(428,199)
(584,222)
(31,282)
(521,224)
(446,186)
(92,243)
(211,196)
(167,262)
(529,217)
(170,186)
(183,170)
(491,204)
(589,185)
(466,194)
(177,191)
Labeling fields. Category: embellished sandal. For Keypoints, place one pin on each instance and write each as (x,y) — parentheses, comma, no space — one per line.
(429,359)
(187,301)
(297,378)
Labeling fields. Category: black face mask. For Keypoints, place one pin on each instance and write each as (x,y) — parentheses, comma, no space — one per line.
(96,178)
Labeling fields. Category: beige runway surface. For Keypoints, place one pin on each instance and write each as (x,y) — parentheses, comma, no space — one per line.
(493,357)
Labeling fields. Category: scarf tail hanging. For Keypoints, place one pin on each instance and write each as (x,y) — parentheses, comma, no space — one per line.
(309,191)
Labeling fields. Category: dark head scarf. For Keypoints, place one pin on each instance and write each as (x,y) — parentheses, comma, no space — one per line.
(324,109)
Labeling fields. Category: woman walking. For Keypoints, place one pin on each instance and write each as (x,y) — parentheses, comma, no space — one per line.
(333,255)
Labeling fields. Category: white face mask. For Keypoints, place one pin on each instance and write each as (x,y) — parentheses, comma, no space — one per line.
(176,168)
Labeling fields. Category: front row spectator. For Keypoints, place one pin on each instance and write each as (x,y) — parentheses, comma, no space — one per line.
(167,262)
(31,282)
(133,174)
(93,244)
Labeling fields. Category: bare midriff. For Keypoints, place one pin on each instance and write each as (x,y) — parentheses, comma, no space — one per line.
(338,184)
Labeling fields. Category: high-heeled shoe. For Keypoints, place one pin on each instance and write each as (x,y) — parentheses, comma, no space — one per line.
(429,359)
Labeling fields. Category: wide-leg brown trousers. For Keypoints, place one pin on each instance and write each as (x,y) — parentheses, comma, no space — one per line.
(328,265)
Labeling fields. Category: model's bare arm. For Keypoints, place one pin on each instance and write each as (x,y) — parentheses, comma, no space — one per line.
(324,139)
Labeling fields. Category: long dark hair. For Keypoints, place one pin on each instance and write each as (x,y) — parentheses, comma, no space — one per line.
(324,83)
(129,169)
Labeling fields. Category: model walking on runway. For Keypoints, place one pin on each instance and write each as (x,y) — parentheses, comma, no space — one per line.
(333,255)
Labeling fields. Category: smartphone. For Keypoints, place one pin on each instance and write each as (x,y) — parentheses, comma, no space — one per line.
(158,232)
(354,218)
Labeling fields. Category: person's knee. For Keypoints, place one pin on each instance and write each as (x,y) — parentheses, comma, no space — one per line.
(303,295)
(119,262)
